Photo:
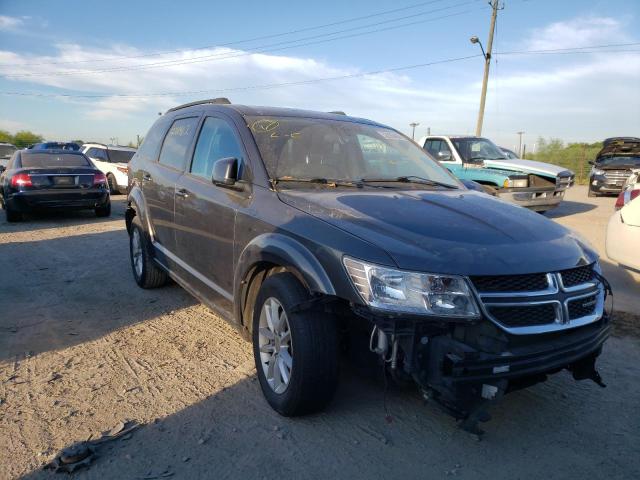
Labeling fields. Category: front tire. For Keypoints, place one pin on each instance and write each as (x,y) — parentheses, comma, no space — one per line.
(146,272)
(591,193)
(296,352)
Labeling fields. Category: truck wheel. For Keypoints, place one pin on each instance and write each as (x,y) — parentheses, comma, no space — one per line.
(104,210)
(113,184)
(296,352)
(146,272)
(12,215)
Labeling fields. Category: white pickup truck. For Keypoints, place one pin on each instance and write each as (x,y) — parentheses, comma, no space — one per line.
(535,185)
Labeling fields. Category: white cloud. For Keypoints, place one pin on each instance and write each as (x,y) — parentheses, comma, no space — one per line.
(578,32)
(578,97)
(10,23)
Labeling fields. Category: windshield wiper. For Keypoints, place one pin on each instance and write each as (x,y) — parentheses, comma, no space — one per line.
(319,180)
(410,179)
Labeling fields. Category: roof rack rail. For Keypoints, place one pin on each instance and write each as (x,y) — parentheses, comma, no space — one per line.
(215,101)
(337,112)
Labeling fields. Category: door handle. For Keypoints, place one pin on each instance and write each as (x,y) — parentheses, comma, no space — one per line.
(146,177)
(182,193)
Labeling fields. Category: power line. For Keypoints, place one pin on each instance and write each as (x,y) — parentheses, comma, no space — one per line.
(579,50)
(224,56)
(237,42)
(235,89)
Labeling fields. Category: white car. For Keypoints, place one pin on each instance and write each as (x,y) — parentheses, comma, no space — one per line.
(113,161)
(623,235)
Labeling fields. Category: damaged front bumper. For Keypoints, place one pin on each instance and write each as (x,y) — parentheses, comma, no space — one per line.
(466,367)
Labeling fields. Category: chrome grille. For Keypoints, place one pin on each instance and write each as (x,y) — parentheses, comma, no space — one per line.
(541,302)
(616,175)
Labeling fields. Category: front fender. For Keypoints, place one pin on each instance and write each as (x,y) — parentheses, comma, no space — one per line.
(284,251)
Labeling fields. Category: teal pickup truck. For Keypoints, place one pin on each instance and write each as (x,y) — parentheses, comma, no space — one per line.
(534,185)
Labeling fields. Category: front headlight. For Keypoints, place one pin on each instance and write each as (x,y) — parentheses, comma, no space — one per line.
(516,182)
(410,292)
(597,171)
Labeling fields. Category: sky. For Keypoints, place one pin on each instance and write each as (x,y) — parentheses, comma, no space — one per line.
(74,69)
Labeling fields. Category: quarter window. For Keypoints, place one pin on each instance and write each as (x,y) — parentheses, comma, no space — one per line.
(217,140)
(177,141)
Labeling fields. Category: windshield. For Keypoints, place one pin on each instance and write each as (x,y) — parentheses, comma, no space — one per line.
(307,149)
(120,156)
(477,149)
(36,160)
(621,161)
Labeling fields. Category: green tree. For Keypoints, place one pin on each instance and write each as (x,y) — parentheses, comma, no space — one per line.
(24,138)
(6,136)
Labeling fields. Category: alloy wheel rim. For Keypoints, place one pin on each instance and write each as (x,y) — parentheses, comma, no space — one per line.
(136,252)
(274,341)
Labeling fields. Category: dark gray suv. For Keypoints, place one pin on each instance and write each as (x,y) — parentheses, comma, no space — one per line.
(317,232)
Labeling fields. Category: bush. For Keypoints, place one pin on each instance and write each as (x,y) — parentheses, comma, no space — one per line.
(574,156)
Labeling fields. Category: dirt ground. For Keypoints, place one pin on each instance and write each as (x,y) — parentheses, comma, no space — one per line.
(82,348)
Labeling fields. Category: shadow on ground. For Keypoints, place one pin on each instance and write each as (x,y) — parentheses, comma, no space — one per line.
(568,207)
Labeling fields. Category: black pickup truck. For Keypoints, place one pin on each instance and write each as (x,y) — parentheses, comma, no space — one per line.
(317,232)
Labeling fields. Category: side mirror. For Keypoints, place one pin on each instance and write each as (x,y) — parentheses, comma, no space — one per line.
(591,162)
(444,156)
(225,171)
(2,168)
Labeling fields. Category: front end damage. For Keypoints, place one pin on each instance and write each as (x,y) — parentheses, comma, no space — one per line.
(465,367)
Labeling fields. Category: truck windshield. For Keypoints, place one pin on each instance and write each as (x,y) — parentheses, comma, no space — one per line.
(619,161)
(474,149)
(296,148)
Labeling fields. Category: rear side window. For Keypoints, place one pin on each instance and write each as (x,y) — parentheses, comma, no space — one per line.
(217,140)
(38,160)
(120,156)
(148,151)
(177,141)
(98,154)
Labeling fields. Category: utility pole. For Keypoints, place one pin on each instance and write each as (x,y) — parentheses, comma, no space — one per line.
(413,126)
(487,63)
(137,141)
(520,143)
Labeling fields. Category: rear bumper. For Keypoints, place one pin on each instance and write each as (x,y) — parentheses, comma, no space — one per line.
(539,200)
(62,199)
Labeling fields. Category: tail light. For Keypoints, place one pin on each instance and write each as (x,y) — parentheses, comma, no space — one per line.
(625,197)
(99,178)
(123,169)
(21,180)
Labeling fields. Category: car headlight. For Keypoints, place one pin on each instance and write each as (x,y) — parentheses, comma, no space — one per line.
(410,292)
(516,182)
(597,171)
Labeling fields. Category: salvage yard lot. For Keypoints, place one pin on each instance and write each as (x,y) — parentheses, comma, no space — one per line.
(82,348)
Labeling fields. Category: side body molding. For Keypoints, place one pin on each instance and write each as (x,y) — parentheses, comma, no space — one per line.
(281,250)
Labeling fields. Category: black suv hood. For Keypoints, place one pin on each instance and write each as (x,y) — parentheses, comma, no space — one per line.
(458,232)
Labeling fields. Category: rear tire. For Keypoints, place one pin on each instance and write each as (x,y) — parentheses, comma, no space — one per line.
(306,349)
(11,215)
(113,184)
(146,272)
(104,210)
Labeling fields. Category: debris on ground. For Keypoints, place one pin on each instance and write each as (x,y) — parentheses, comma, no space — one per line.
(81,454)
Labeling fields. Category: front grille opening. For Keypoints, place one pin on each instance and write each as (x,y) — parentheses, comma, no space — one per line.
(510,283)
(524,316)
(577,276)
(581,307)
